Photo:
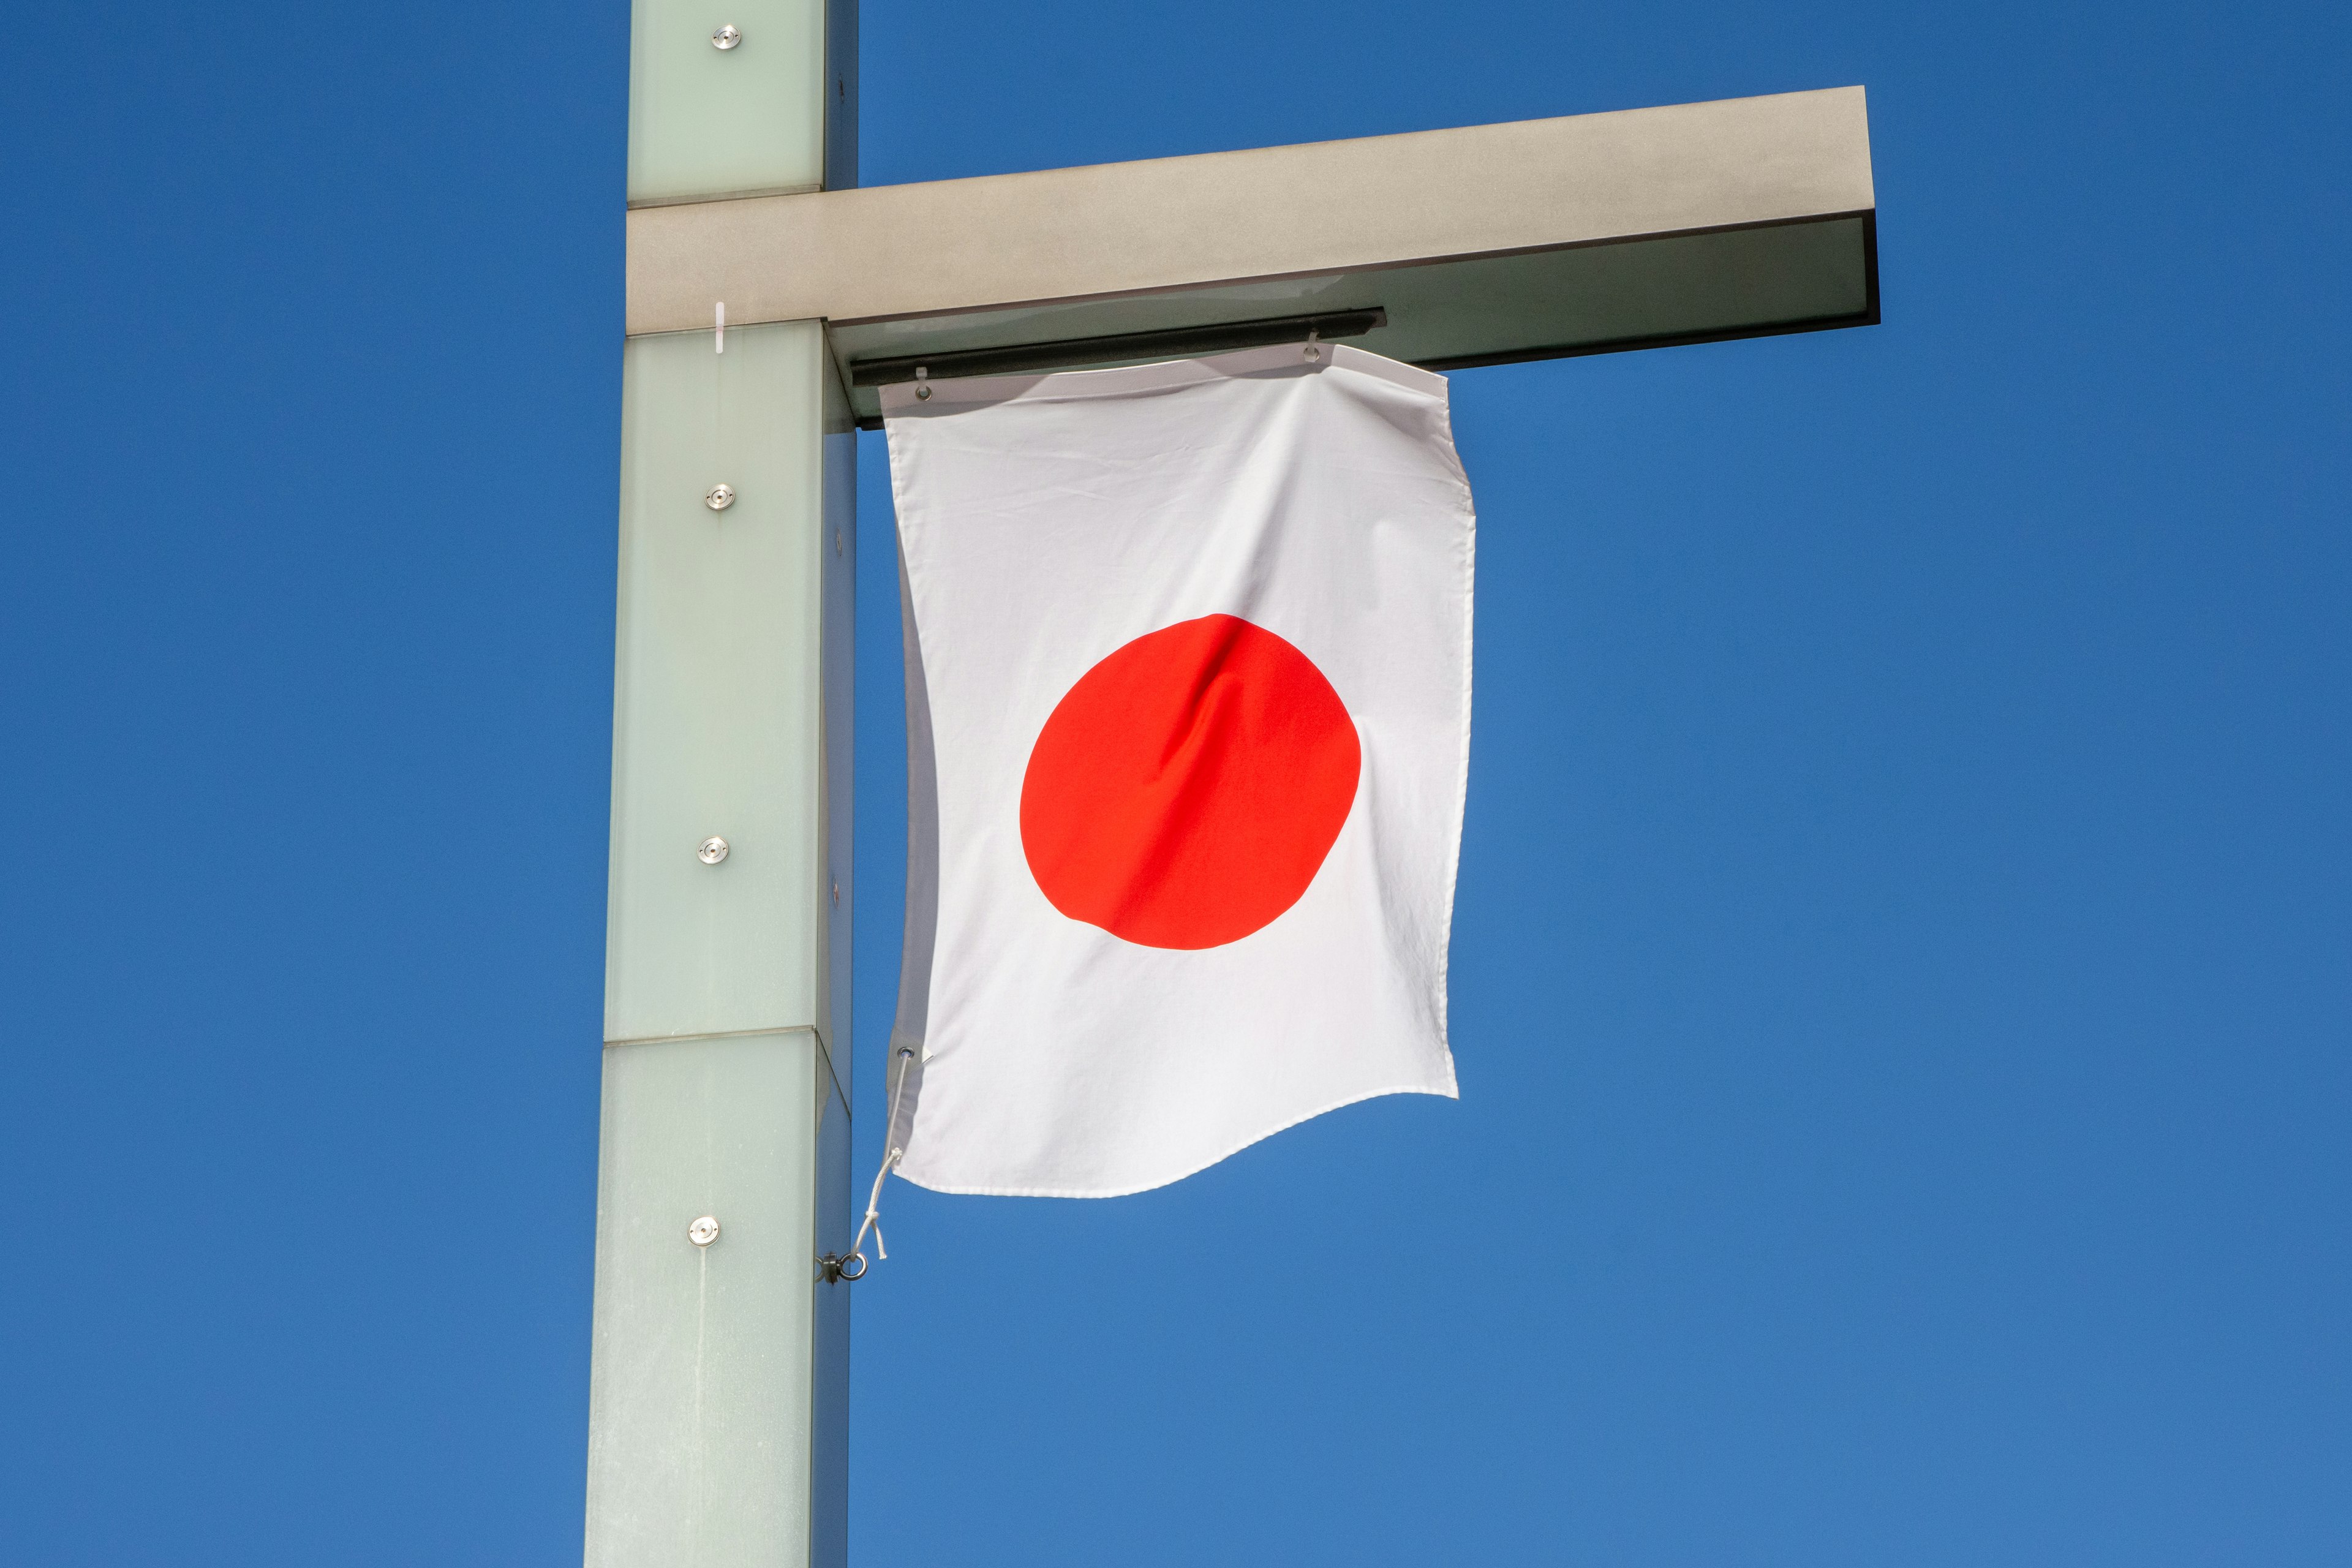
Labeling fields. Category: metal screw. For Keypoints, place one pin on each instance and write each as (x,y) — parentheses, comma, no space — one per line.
(703,1231)
(721,498)
(726,38)
(713,850)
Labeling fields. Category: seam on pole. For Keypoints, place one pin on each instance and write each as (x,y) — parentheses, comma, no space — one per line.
(723,1035)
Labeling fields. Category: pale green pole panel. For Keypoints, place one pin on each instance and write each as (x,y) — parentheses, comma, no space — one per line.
(718,704)
(748,119)
(704,1394)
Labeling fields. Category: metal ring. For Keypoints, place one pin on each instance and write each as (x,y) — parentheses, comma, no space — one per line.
(841,1267)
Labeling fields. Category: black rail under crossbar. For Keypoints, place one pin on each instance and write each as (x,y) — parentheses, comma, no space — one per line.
(1169,342)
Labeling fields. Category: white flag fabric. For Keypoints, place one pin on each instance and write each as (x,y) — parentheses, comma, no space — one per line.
(1188,712)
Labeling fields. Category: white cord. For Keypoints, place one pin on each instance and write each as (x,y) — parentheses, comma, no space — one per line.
(874,1198)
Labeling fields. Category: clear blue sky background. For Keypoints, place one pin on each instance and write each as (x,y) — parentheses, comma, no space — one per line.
(1901,981)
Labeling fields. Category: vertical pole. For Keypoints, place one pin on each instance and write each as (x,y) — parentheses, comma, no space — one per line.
(717,1418)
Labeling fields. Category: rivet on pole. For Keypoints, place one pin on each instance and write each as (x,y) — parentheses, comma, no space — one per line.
(726,38)
(713,850)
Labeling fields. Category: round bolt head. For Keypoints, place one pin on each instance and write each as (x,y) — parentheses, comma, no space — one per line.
(713,850)
(704,1231)
(721,498)
(726,38)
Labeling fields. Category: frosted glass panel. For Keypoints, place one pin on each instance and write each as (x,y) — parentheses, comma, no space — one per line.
(701,1393)
(717,711)
(705,121)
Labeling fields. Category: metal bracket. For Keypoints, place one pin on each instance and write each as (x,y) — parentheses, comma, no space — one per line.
(1168,343)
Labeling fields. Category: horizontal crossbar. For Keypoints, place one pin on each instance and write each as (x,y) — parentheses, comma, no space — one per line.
(1539,237)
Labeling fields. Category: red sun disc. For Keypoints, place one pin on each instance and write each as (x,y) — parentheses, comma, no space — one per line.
(1185,791)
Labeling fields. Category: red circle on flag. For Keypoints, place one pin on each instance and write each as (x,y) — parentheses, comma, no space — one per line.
(1185,791)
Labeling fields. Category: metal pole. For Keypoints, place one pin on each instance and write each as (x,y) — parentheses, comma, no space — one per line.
(718,1420)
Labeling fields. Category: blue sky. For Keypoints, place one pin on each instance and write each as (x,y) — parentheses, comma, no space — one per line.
(1900,979)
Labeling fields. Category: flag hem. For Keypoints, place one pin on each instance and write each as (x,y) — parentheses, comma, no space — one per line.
(1451,1092)
(962,394)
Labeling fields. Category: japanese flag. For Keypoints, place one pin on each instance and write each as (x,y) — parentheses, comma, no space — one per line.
(1188,714)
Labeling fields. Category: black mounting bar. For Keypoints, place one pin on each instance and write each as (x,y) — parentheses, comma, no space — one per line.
(1171,342)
